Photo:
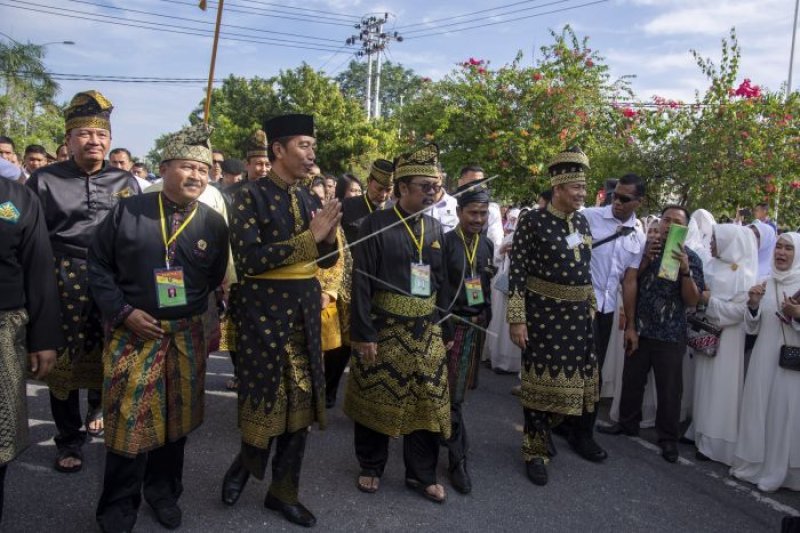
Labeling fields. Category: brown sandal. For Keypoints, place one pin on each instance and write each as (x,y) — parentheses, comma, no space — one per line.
(417,486)
(372,486)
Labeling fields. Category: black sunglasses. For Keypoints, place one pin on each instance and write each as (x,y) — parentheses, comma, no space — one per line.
(624,199)
(427,186)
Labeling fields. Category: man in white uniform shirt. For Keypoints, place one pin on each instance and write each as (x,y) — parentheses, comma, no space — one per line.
(617,248)
(444,207)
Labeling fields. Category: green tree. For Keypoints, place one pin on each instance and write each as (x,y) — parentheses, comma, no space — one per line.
(513,119)
(347,141)
(398,84)
(28,109)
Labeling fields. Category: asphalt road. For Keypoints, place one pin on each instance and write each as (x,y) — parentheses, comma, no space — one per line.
(634,490)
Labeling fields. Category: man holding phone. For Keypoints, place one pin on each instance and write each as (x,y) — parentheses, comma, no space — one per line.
(661,328)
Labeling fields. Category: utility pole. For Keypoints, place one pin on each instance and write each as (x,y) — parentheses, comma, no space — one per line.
(373,41)
(791,53)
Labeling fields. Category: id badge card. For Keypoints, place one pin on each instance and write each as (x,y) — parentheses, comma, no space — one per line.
(170,287)
(474,291)
(574,240)
(420,279)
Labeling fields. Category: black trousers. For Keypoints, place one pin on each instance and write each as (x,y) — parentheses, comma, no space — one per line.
(666,360)
(602,325)
(2,488)
(420,453)
(458,443)
(67,416)
(335,363)
(158,474)
(286,464)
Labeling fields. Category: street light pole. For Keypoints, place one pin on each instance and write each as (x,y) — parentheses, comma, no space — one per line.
(791,54)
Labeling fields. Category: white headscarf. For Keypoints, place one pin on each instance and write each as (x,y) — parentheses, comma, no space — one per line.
(701,229)
(789,277)
(767,237)
(735,269)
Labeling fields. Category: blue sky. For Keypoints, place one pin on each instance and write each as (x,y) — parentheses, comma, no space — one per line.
(647,38)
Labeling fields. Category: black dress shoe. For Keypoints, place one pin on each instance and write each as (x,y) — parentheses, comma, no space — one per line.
(669,451)
(293,512)
(234,482)
(616,429)
(588,449)
(459,477)
(537,471)
(169,517)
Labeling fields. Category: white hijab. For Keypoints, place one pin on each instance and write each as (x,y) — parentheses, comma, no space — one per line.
(735,269)
(789,277)
(701,229)
(767,238)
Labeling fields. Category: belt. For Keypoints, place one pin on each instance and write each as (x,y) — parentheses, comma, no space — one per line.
(304,270)
(407,306)
(556,291)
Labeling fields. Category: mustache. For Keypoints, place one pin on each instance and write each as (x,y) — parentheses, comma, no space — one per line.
(192,183)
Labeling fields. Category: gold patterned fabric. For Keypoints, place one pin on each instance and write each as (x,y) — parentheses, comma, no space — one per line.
(257,144)
(422,161)
(153,391)
(79,364)
(569,166)
(404,306)
(13,365)
(559,372)
(88,109)
(556,291)
(406,389)
(382,171)
(192,143)
(294,406)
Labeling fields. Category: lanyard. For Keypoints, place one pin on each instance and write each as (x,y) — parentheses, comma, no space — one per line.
(182,227)
(417,242)
(366,201)
(470,255)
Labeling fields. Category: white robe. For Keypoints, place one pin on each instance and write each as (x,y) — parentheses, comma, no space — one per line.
(719,382)
(768,446)
(504,354)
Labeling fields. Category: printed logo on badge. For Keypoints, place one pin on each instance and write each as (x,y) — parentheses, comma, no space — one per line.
(202,245)
(124,193)
(9,212)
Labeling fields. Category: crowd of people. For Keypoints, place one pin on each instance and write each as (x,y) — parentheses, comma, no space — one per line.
(121,281)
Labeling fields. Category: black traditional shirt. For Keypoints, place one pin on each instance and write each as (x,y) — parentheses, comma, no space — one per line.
(660,311)
(128,247)
(75,203)
(354,211)
(544,263)
(459,269)
(382,263)
(26,266)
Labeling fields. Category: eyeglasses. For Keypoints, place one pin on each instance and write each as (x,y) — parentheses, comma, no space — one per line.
(427,186)
(623,199)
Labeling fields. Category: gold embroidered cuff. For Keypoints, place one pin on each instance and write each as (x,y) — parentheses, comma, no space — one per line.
(305,248)
(407,306)
(516,308)
(570,293)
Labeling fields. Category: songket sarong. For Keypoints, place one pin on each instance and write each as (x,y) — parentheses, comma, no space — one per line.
(463,357)
(13,365)
(406,389)
(79,364)
(153,391)
(229,325)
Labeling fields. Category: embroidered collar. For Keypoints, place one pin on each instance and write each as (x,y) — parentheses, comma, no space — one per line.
(172,206)
(560,214)
(277,180)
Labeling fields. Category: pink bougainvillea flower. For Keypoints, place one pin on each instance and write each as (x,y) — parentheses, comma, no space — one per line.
(628,112)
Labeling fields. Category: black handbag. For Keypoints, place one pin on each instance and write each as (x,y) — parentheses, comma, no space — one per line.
(789,355)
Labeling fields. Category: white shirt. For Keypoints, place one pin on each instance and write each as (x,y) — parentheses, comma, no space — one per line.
(494,226)
(445,212)
(143,183)
(612,259)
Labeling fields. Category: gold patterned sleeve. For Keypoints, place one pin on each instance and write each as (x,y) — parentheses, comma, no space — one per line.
(521,251)
(252,253)
(331,279)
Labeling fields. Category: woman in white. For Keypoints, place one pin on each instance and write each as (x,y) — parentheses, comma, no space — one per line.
(505,356)
(766,236)
(719,380)
(768,447)
(701,229)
